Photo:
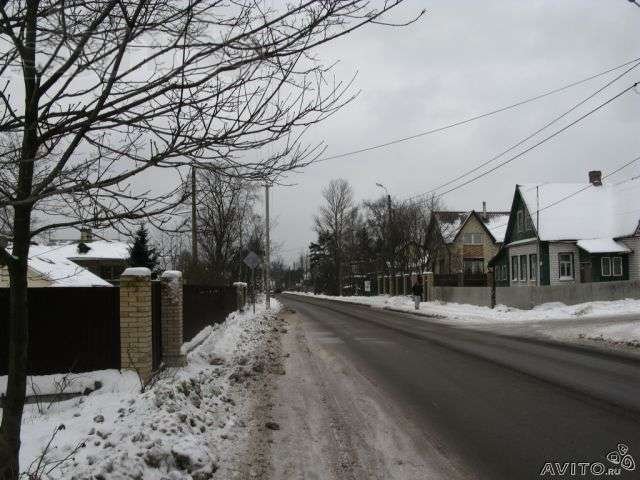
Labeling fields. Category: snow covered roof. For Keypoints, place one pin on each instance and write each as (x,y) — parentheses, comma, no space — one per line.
(497,223)
(50,263)
(451,222)
(98,250)
(603,245)
(576,211)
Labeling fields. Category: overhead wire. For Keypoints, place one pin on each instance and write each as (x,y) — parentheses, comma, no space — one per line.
(537,144)
(530,136)
(479,116)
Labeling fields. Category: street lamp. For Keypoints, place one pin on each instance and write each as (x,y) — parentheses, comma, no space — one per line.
(388,239)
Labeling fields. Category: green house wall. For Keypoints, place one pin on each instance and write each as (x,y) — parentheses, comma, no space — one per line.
(545,275)
(596,266)
(501,260)
(512,234)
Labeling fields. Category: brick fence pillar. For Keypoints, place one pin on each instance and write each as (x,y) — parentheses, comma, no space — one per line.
(136,348)
(171,318)
(428,285)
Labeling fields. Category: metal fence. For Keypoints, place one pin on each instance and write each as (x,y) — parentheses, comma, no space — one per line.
(70,329)
(446,280)
(205,305)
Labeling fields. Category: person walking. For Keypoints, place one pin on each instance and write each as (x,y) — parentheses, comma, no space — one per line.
(417,292)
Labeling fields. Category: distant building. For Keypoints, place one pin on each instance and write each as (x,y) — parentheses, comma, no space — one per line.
(465,241)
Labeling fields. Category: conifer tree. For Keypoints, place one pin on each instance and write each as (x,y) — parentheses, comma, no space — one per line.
(142,253)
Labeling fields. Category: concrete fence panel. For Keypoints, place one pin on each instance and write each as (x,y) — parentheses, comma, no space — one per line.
(529,297)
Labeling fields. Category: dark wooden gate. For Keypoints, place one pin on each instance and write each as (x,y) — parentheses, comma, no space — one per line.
(71,329)
(156,323)
(205,305)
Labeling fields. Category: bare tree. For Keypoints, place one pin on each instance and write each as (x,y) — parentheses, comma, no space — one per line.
(99,92)
(226,209)
(334,222)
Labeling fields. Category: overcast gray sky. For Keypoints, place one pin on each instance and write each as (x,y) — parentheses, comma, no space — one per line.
(465,58)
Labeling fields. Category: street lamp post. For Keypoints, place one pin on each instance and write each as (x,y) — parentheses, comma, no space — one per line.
(388,239)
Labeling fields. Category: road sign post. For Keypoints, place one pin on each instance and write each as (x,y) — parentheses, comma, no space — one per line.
(252,260)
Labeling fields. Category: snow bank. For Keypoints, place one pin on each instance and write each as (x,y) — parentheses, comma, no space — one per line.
(473,315)
(178,429)
(104,380)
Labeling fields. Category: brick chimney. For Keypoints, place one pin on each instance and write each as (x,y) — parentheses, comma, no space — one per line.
(484,211)
(86,235)
(595,178)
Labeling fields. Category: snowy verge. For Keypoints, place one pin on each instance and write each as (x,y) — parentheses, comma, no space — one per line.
(473,315)
(180,428)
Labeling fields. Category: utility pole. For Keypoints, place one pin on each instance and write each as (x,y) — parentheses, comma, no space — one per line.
(194,226)
(388,239)
(267,252)
(538,259)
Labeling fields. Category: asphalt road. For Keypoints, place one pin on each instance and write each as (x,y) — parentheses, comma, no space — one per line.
(504,406)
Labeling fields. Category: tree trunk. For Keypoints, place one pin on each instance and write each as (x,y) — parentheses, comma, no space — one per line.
(18,263)
(18,350)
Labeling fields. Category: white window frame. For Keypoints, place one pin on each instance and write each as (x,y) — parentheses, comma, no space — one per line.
(570,263)
(472,238)
(605,261)
(515,268)
(523,271)
(533,266)
(617,260)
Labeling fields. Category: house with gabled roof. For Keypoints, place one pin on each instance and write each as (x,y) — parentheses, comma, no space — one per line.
(465,241)
(84,263)
(571,233)
(48,267)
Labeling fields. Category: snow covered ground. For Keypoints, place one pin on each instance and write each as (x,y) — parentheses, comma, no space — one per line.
(627,331)
(184,426)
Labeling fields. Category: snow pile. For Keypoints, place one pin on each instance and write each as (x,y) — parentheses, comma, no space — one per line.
(103,380)
(180,428)
(137,272)
(457,313)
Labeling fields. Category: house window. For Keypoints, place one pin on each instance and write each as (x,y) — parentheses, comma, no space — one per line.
(533,267)
(523,268)
(520,221)
(473,265)
(565,266)
(472,238)
(617,266)
(605,266)
(514,269)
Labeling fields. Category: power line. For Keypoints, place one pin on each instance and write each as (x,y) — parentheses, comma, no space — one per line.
(544,127)
(544,140)
(478,117)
